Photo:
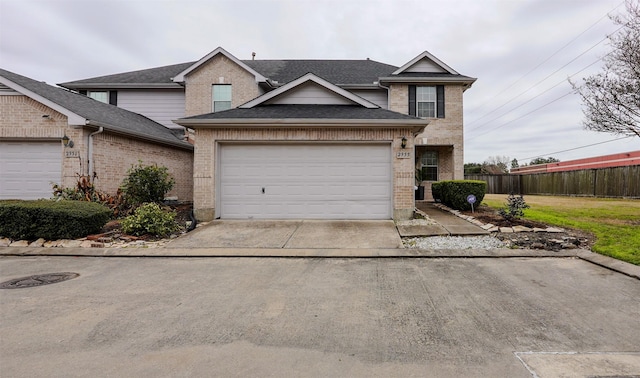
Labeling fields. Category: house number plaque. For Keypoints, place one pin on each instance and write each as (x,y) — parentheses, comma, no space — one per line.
(72,154)
(403,155)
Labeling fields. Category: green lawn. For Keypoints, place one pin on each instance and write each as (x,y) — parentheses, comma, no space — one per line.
(614,222)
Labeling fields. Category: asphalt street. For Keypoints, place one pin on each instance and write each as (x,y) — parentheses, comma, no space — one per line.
(319,317)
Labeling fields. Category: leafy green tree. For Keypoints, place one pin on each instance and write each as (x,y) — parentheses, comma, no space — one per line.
(542,160)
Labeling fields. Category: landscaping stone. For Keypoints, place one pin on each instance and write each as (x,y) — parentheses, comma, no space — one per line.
(38,243)
(521,229)
(554,229)
(487,226)
(19,243)
(4,242)
(506,230)
(70,243)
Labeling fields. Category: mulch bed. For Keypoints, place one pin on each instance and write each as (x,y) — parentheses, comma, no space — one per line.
(571,238)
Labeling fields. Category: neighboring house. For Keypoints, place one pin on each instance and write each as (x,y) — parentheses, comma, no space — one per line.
(332,139)
(51,135)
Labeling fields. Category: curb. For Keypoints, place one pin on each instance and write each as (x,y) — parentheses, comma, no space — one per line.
(606,262)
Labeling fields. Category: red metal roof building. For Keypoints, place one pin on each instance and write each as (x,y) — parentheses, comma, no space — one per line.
(606,161)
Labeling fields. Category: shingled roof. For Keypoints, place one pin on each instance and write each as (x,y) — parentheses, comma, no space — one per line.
(96,113)
(341,72)
(346,112)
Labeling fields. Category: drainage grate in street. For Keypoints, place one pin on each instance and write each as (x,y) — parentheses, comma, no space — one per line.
(37,280)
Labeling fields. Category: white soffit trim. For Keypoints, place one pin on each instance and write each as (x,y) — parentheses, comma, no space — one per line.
(427,55)
(179,78)
(316,79)
(73,119)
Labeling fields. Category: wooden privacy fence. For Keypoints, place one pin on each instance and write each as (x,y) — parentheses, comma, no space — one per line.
(623,182)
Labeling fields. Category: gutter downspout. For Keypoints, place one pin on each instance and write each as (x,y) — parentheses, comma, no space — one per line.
(90,172)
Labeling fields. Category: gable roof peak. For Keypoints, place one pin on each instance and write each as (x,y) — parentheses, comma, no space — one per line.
(426,55)
(180,77)
(309,77)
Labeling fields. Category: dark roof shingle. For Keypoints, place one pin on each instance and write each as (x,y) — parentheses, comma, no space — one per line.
(112,117)
(353,112)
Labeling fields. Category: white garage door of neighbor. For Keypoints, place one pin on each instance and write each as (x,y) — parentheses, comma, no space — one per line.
(27,169)
(305,181)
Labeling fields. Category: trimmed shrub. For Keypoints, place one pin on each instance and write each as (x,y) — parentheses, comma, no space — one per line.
(146,184)
(436,191)
(52,220)
(150,219)
(454,193)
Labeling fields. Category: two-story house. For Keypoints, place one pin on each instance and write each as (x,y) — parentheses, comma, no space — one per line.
(322,139)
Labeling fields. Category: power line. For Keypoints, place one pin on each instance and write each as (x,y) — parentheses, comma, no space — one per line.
(526,114)
(576,148)
(551,56)
(536,96)
(540,81)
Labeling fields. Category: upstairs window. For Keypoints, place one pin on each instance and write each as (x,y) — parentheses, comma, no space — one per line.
(426,101)
(102,96)
(221,97)
(108,97)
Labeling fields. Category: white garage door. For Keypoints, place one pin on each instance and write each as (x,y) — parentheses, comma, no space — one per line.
(305,181)
(27,169)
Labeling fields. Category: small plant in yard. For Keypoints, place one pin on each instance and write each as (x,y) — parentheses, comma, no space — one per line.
(146,184)
(515,207)
(84,190)
(150,219)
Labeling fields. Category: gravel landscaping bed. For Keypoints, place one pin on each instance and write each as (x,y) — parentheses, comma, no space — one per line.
(454,242)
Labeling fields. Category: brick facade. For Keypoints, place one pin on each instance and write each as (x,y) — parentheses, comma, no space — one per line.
(441,132)
(207,140)
(218,70)
(113,155)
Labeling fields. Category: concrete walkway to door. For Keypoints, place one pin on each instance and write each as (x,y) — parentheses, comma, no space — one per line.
(292,234)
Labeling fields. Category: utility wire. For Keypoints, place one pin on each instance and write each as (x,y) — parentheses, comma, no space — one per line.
(576,148)
(547,59)
(536,96)
(526,114)
(540,81)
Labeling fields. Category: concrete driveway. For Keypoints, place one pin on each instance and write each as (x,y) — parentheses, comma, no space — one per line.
(298,234)
(314,317)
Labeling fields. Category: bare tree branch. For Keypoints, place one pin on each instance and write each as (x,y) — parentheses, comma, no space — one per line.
(611,98)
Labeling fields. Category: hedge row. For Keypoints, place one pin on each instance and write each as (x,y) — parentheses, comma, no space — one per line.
(454,193)
(52,220)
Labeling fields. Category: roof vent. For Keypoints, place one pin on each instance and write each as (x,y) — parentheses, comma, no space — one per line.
(253,56)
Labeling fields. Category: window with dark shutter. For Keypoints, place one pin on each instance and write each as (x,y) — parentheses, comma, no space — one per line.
(426,101)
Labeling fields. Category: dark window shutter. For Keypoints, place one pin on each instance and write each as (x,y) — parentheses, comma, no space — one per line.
(82,92)
(440,100)
(412,100)
(113,98)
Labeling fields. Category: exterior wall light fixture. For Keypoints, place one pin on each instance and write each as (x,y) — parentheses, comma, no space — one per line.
(404,142)
(67,142)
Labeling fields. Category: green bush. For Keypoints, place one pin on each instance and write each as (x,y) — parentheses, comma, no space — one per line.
(436,191)
(150,219)
(454,193)
(52,220)
(146,184)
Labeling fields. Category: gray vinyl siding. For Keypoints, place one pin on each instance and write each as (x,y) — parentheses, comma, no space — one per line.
(309,93)
(377,96)
(161,106)
(425,65)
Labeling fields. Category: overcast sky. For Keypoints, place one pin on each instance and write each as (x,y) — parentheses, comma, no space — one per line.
(521,51)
